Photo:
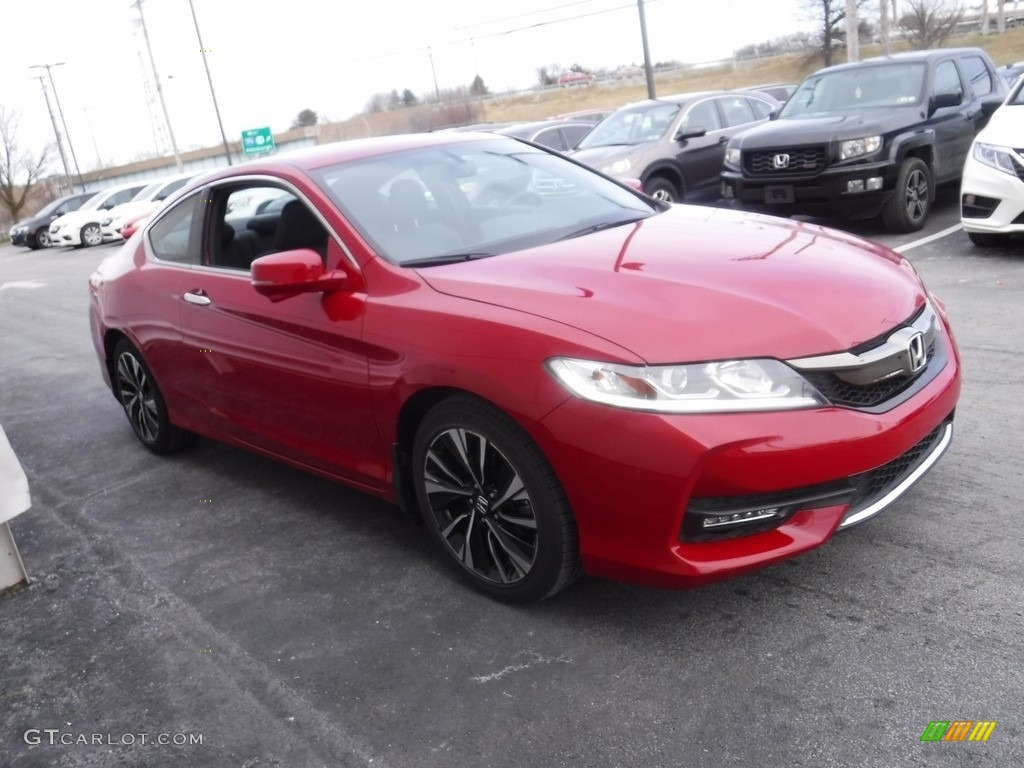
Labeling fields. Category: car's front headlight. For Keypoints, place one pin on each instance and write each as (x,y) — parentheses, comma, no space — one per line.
(619,167)
(994,157)
(733,385)
(733,156)
(105,222)
(857,147)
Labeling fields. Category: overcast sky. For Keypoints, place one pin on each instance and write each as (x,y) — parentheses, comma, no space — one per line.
(269,60)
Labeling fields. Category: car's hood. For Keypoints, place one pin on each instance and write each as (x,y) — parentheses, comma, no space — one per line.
(131,208)
(598,156)
(794,131)
(1005,127)
(79,217)
(697,283)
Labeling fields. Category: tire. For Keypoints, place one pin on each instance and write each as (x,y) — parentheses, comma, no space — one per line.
(91,235)
(143,403)
(911,202)
(41,239)
(492,502)
(662,189)
(990,239)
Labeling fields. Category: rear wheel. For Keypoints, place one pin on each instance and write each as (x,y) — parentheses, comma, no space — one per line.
(992,239)
(492,502)
(908,208)
(143,403)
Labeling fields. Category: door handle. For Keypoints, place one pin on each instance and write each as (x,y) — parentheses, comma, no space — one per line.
(197,297)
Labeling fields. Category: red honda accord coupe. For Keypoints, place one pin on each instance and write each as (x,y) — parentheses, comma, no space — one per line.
(559,373)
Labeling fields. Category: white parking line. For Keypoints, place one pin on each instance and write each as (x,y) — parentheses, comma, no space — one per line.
(930,238)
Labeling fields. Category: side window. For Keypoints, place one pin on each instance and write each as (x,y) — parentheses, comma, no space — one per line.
(736,110)
(255,220)
(704,115)
(947,79)
(550,137)
(761,108)
(574,133)
(170,238)
(977,75)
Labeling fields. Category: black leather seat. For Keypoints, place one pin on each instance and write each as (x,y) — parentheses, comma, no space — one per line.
(300,228)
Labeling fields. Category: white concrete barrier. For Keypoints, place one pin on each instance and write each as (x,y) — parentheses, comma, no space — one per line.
(14,499)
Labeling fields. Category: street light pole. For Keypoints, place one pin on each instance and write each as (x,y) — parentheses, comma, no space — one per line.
(56,132)
(60,111)
(647,53)
(159,88)
(209,79)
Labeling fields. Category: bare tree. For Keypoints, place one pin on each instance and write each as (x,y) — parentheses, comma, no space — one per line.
(830,15)
(930,23)
(20,169)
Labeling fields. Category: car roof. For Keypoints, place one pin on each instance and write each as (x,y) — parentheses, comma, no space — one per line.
(311,158)
(905,56)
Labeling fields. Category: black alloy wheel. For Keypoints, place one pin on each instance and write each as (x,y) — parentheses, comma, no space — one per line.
(143,403)
(493,503)
(911,201)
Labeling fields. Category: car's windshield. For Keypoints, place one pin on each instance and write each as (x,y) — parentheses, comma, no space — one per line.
(898,84)
(146,192)
(635,124)
(1016,97)
(479,198)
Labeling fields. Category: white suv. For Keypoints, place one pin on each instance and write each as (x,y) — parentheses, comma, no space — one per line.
(82,227)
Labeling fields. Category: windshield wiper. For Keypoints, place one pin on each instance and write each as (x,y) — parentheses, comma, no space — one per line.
(598,227)
(446,258)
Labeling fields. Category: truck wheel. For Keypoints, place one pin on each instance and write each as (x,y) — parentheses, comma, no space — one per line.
(907,209)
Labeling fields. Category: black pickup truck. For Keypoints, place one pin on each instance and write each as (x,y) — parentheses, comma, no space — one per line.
(867,138)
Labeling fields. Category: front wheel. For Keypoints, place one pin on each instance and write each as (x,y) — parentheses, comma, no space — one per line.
(41,240)
(91,235)
(492,502)
(908,208)
(143,403)
(663,190)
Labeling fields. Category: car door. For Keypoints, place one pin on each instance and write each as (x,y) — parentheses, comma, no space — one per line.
(287,377)
(953,125)
(700,158)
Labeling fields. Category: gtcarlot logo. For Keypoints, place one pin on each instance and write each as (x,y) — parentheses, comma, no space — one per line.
(959,730)
(56,737)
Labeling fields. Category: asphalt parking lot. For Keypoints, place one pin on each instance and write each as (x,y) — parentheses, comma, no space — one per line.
(252,615)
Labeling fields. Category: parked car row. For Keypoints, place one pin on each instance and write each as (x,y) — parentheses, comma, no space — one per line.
(90,218)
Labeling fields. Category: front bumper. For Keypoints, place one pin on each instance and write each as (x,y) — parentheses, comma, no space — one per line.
(825,192)
(66,236)
(19,238)
(634,480)
(998,200)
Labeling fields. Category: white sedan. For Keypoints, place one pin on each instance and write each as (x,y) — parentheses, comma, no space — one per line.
(145,202)
(82,227)
(992,189)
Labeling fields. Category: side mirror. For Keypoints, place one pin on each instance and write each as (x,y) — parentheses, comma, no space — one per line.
(286,274)
(691,133)
(947,99)
(988,106)
(774,114)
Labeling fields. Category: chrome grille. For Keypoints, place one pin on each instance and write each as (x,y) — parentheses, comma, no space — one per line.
(801,160)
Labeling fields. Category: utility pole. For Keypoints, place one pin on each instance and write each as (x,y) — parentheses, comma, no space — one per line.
(60,112)
(209,79)
(647,52)
(884,23)
(56,132)
(159,89)
(852,31)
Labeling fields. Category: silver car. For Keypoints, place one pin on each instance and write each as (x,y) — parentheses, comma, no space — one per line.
(675,145)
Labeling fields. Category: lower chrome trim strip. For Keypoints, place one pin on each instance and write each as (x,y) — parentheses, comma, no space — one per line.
(903,487)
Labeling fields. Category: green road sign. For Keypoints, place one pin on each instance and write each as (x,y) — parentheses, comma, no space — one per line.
(257,140)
